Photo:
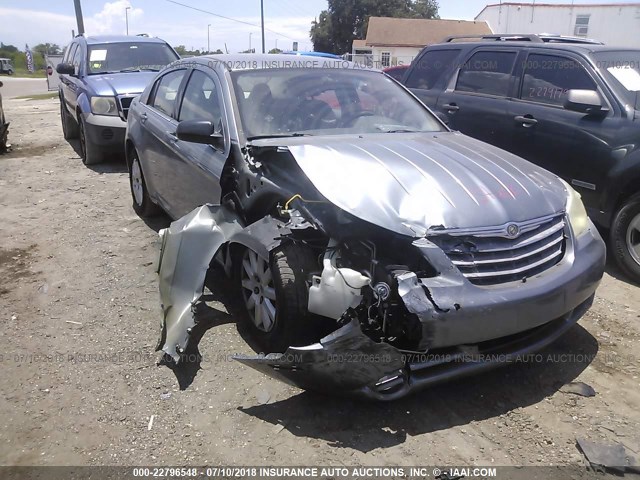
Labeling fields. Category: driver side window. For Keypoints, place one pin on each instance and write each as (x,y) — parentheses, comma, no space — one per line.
(548,79)
(201,100)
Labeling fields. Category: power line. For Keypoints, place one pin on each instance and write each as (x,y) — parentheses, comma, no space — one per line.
(228,18)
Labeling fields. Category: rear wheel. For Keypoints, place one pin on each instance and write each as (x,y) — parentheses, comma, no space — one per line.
(276,295)
(625,237)
(90,152)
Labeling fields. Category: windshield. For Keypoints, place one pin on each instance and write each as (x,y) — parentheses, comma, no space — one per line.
(623,70)
(290,102)
(129,57)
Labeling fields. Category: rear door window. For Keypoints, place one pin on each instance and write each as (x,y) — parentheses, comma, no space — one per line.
(428,69)
(165,93)
(487,72)
(548,78)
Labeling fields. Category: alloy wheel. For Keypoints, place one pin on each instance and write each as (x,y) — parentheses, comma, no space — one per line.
(258,291)
(136,182)
(633,238)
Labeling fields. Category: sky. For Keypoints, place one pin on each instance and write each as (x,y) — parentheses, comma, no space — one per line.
(39,21)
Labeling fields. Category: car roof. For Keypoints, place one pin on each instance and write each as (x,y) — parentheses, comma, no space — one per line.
(259,61)
(312,54)
(122,39)
(580,47)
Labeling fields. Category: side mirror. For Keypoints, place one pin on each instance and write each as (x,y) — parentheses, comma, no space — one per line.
(584,101)
(199,131)
(65,69)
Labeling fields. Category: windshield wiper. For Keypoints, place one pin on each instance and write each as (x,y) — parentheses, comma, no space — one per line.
(396,129)
(139,69)
(280,135)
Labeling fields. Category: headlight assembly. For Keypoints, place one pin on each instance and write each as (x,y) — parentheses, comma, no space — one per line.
(576,211)
(104,106)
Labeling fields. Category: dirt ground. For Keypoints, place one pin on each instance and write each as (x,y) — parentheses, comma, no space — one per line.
(79,320)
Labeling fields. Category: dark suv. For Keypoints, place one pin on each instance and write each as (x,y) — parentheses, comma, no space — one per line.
(568,105)
(99,76)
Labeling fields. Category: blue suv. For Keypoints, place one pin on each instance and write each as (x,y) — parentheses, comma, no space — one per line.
(99,77)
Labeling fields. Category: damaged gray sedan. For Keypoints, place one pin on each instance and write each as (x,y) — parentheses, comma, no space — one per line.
(375,251)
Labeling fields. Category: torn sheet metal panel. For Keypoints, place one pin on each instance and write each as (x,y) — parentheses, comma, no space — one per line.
(188,246)
(344,362)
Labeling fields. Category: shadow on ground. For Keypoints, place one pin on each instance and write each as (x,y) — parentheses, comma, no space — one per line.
(112,163)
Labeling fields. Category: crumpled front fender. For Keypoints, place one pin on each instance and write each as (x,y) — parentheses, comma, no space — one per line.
(188,246)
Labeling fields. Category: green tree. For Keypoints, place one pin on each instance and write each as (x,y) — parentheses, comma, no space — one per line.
(181,50)
(345,20)
(275,50)
(46,49)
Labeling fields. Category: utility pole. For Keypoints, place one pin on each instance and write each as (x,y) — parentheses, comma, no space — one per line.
(126,18)
(262,22)
(208,43)
(79,19)
(250,33)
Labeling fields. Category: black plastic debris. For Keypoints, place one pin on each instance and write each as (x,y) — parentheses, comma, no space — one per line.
(604,457)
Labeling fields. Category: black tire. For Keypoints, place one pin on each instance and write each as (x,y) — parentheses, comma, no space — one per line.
(69,125)
(142,203)
(291,266)
(625,235)
(90,153)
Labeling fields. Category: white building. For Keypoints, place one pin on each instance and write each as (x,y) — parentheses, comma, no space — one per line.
(397,41)
(616,24)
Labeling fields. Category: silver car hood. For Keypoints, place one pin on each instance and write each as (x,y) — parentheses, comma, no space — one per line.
(415,183)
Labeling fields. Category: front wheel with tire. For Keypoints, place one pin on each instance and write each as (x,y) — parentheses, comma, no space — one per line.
(142,203)
(625,237)
(90,152)
(276,294)
(69,125)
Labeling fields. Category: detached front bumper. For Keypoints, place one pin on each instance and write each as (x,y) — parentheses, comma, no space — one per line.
(106,131)
(347,362)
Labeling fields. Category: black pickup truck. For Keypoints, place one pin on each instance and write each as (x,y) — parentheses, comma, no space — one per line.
(570,105)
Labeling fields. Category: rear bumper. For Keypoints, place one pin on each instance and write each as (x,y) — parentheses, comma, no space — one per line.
(107,132)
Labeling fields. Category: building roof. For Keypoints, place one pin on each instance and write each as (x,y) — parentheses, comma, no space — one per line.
(359,43)
(560,5)
(412,32)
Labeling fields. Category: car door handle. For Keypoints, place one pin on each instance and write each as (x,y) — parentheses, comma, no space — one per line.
(451,107)
(527,121)
(172,137)
(143,117)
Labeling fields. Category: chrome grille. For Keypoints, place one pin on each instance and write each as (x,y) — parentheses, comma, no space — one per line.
(485,258)
(125,103)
